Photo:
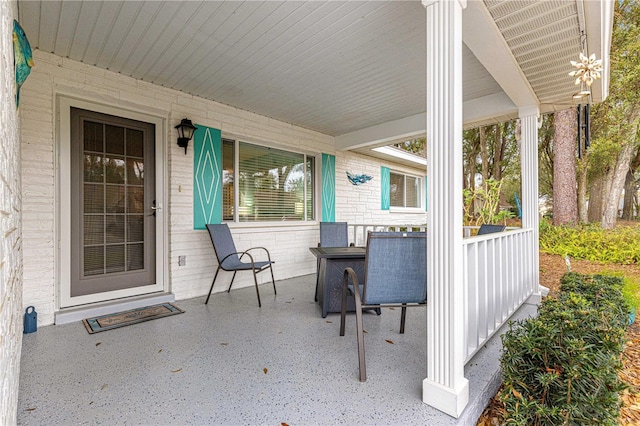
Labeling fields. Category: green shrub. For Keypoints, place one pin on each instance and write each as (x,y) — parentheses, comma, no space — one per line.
(591,242)
(562,366)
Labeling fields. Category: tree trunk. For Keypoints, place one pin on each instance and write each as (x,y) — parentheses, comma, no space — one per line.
(498,149)
(610,212)
(565,200)
(630,188)
(595,199)
(582,190)
(484,152)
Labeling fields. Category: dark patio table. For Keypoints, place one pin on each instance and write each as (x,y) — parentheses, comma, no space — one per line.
(333,262)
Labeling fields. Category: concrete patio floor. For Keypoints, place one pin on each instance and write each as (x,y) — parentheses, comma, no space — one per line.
(232,363)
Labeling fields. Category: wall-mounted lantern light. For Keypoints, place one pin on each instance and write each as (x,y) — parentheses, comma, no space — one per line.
(185,133)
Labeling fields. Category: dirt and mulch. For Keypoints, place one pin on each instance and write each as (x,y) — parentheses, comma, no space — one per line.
(552,267)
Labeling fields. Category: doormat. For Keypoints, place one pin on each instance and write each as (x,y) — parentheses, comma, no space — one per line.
(133,316)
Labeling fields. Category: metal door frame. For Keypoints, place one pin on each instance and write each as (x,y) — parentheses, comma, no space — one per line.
(63,203)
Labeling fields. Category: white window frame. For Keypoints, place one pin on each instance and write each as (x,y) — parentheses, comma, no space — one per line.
(420,192)
(235,222)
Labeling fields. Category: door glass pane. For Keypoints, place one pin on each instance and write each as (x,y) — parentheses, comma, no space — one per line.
(93,168)
(93,136)
(115,259)
(115,198)
(93,229)
(114,138)
(135,228)
(135,258)
(93,198)
(135,199)
(115,228)
(135,171)
(135,147)
(114,169)
(94,260)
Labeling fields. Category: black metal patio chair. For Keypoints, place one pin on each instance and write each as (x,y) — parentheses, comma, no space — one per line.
(332,234)
(230,259)
(395,275)
(487,228)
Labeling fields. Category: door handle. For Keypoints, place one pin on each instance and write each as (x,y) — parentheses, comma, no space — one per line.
(154,208)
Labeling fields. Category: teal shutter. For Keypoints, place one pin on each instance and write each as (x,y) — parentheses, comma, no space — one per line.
(207,177)
(385,187)
(426,194)
(328,188)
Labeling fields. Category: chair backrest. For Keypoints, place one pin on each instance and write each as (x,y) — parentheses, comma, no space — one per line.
(223,243)
(395,268)
(334,234)
(490,229)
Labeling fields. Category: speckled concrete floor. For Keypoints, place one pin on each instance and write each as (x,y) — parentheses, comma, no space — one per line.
(232,363)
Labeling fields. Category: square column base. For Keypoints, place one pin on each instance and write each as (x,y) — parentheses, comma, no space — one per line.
(449,401)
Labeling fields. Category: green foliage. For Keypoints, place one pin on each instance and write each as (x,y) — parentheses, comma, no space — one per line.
(486,199)
(416,146)
(561,368)
(591,242)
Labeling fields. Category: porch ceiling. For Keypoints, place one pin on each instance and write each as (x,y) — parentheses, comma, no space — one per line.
(338,67)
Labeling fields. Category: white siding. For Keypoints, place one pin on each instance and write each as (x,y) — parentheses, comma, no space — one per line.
(288,243)
(10,215)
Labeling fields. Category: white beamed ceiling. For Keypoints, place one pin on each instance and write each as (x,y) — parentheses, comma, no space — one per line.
(337,67)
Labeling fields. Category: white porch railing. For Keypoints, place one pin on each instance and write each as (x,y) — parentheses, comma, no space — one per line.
(498,273)
(358,233)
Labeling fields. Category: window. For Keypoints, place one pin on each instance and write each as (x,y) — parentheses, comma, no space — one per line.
(266,184)
(405,190)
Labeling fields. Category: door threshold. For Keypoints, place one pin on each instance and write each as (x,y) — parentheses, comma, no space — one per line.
(78,313)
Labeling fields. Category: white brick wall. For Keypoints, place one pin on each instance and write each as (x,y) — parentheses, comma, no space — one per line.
(288,244)
(10,213)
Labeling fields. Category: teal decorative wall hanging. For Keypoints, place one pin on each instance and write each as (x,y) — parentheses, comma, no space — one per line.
(328,188)
(207,177)
(358,179)
(385,188)
(22,57)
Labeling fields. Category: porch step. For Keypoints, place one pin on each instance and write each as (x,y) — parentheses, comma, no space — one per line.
(79,313)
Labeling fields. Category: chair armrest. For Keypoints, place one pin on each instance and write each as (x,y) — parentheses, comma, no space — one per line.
(256,248)
(349,274)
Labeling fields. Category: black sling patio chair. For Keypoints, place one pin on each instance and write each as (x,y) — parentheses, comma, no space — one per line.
(395,275)
(332,234)
(486,228)
(230,259)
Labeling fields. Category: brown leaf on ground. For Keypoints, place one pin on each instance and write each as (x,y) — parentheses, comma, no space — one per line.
(389,341)
(265,370)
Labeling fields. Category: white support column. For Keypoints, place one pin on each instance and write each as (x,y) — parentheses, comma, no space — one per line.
(445,387)
(529,171)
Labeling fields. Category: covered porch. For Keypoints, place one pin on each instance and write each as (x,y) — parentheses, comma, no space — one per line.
(229,362)
(324,81)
